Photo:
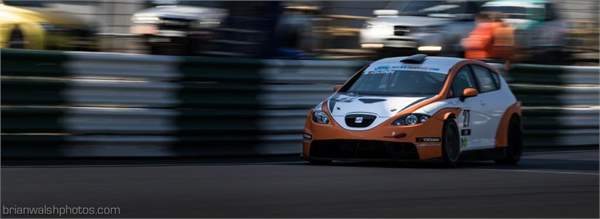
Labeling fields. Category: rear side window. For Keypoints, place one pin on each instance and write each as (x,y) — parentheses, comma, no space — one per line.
(461,81)
(487,80)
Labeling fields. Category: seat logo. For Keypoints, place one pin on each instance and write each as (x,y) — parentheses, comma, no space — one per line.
(358,120)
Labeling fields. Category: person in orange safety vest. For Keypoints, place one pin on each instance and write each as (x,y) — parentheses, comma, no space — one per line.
(503,43)
(490,39)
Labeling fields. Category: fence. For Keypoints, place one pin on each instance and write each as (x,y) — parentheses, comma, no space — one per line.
(78,104)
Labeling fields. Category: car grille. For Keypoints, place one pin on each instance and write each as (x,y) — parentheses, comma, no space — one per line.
(363,149)
(401,30)
(359,120)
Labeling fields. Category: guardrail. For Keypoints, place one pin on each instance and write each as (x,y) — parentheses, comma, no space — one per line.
(79,104)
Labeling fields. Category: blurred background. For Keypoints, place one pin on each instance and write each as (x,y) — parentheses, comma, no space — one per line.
(565,32)
(231,82)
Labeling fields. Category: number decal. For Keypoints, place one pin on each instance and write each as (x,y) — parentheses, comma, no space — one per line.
(466,118)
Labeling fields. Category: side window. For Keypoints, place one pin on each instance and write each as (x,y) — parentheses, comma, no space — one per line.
(461,81)
(488,81)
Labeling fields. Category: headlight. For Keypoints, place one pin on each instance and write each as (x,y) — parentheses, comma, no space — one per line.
(378,29)
(320,117)
(145,19)
(411,119)
(429,48)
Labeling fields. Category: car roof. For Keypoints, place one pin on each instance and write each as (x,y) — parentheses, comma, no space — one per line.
(430,64)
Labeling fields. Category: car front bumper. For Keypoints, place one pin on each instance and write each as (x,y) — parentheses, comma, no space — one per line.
(384,142)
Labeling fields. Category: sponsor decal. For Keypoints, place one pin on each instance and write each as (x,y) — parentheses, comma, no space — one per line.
(392,69)
(465,142)
(417,67)
(429,139)
(380,70)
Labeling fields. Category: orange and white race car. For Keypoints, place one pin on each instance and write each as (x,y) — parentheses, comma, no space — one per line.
(417,108)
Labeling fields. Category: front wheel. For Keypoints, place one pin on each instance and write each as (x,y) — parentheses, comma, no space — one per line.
(450,143)
(512,153)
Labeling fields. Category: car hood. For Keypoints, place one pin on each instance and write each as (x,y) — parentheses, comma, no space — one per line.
(410,21)
(182,12)
(341,105)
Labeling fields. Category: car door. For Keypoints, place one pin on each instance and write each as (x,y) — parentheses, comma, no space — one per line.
(492,104)
(472,120)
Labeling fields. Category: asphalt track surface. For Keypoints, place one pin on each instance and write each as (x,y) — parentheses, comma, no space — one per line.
(545,184)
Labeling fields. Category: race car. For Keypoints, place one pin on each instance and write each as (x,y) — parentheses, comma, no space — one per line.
(34,25)
(417,108)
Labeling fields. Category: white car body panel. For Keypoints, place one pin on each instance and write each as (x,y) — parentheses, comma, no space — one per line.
(494,104)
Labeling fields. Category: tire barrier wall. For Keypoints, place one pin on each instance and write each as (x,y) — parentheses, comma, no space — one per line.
(79,104)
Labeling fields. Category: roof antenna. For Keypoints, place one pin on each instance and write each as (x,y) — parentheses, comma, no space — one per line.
(414,59)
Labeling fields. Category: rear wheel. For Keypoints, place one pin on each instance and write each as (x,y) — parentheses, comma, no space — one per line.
(450,143)
(513,151)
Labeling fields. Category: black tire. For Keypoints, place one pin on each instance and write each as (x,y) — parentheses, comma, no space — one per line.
(319,162)
(514,150)
(16,40)
(450,143)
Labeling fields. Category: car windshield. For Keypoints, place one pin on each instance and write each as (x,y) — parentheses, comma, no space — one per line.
(510,11)
(196,3)
(434,8)
(397,83)
(412,7)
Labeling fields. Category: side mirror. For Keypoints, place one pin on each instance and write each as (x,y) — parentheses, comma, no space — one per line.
(469,92)
(337,87)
